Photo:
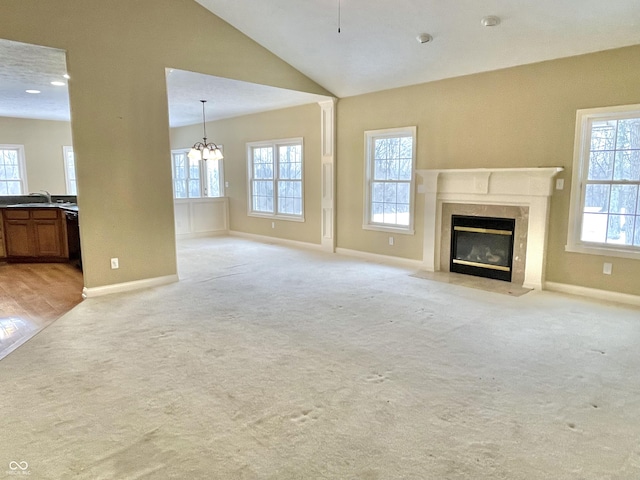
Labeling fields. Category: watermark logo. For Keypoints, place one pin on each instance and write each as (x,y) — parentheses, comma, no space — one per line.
(18,468)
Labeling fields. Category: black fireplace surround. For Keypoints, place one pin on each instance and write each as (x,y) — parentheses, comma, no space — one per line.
(482,246)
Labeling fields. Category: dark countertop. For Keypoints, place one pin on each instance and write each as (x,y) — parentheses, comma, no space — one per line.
(72,207)
(41,199)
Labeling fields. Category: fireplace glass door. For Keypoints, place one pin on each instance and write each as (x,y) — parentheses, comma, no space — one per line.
(482,246)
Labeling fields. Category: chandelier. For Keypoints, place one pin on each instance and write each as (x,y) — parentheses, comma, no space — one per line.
(203,150)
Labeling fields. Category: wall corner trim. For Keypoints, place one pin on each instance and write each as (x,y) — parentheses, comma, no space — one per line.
(593,293)
(128,286)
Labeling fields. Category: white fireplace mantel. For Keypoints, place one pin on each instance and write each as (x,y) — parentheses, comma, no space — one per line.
(529,187)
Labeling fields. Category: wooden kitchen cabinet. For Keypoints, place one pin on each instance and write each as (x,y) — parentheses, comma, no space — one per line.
(50,233)
(16,231)
(35,234)
(2,250)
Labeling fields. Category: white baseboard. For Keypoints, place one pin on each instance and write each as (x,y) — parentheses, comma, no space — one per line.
(216,233)
(128,286)
(277,241)
(377,258)
(593,293)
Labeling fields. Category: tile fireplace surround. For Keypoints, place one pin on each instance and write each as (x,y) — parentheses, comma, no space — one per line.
(520,187)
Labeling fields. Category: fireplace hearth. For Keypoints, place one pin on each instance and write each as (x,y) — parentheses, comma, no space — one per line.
(482,246)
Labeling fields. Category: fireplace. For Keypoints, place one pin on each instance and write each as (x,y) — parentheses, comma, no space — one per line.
(529,188)
(482,246)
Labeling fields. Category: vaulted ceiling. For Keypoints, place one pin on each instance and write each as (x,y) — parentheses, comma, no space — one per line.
(377,49)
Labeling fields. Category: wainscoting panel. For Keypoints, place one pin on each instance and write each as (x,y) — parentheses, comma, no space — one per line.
(201,216)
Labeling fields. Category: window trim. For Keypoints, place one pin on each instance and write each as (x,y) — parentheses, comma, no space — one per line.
(22,165)
(369,138)
(203,179)
(65,151)
(581,148)
(274,144)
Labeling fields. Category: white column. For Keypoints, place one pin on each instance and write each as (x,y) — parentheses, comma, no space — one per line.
(327,175)
(536,238)
(431,237)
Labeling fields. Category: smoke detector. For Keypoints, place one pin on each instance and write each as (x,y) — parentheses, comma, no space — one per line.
(424,38)
(490,21)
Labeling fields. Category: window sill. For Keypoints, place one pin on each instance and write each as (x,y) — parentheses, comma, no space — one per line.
(275,217)
(605,251)
(388,228)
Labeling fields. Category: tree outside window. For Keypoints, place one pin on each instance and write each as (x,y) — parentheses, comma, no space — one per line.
(12,170)
(196,179)
(390,163)
(276,179)
(605,206)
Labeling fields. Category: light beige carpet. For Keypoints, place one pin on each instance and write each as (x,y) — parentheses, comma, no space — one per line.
(273,363)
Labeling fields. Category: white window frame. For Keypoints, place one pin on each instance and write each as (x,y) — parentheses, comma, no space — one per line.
(71,183)
(22,165)
(582,147)
(370,136)
(275,144)
(204,187)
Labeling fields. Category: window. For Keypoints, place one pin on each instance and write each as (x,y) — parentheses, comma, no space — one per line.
(605,202)
(13,174)
(203,178)
(275,171)
(390,162)
(70,170)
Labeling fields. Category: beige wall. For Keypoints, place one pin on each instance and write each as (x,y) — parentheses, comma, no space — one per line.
(234,134)
(517,117)
(117,51)
(43,141)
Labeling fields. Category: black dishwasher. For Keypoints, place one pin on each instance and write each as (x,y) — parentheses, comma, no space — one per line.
(73,238)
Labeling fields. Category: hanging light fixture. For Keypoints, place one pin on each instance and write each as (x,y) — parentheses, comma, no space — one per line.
(203,150)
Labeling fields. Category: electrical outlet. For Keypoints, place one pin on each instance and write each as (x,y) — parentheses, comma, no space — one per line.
(273,224)
(226,184)
(114,263)
(559,183)
(391,241)
(607,268)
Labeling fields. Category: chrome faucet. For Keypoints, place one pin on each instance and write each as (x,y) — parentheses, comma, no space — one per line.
(47,195)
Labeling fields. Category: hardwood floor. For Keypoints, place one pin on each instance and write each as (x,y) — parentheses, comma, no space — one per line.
(32,295)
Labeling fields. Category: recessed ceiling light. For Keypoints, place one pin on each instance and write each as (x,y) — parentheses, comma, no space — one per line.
(58,84)
(32,91)
(490,21)
(66,75)
(424,38)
